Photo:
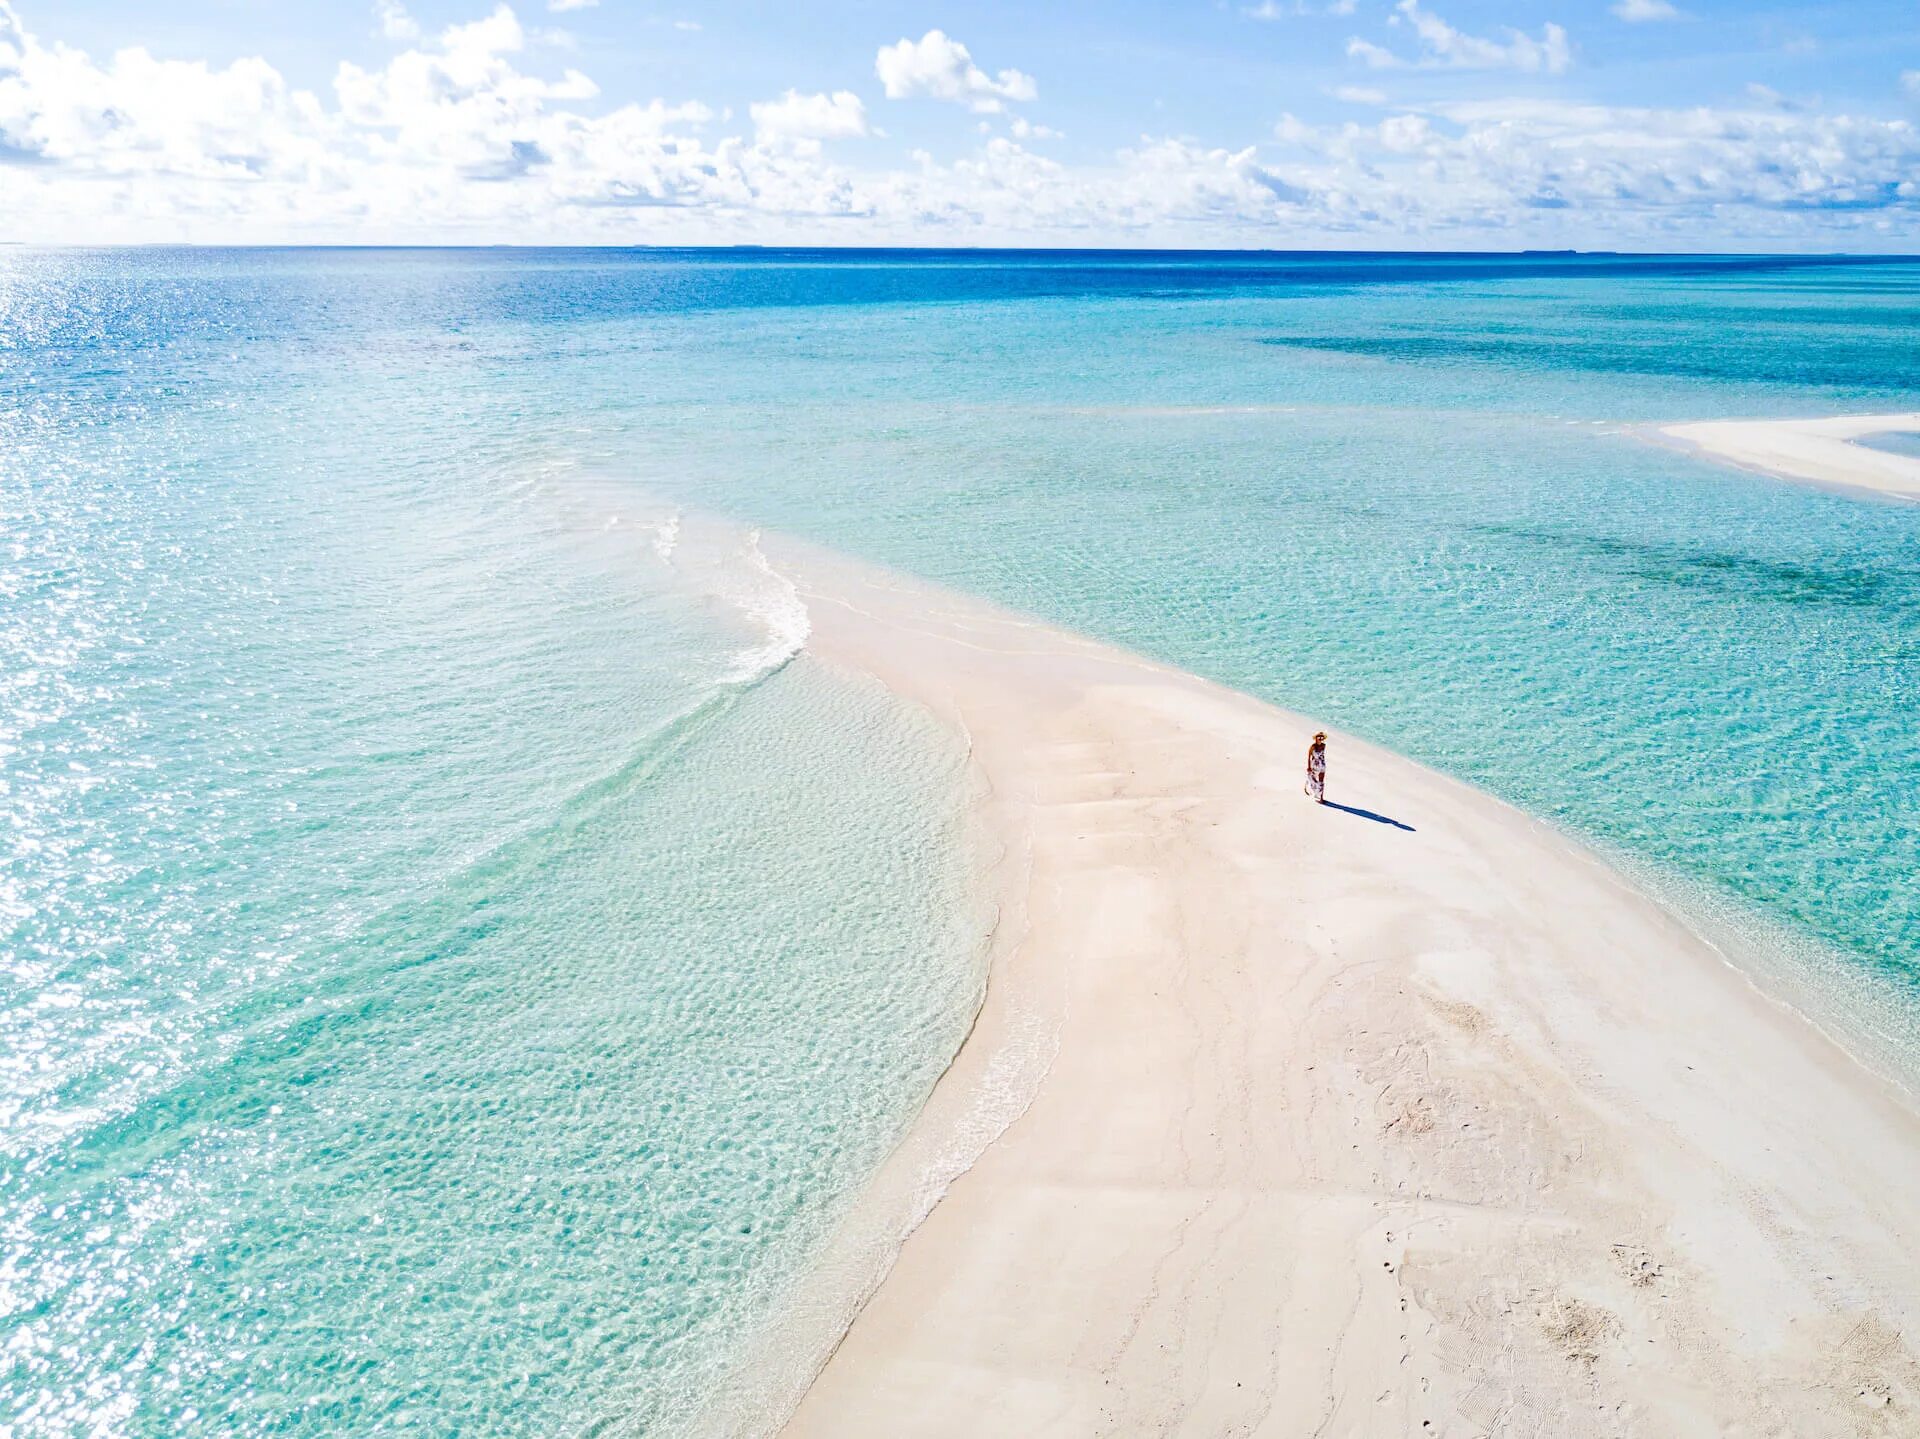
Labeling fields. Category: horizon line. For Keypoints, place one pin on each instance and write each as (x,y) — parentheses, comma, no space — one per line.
(1531,252)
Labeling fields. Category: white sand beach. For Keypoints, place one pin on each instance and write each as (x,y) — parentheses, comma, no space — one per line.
(1407,1117)
(1823,451)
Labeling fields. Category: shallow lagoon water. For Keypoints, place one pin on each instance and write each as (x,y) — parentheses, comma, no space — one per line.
(457,967)
(1894,442)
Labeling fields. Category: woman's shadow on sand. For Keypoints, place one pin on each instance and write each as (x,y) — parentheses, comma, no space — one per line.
(1369,814)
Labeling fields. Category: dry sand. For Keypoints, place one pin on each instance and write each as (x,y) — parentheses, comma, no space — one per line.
(1406,1118)
(1822,451)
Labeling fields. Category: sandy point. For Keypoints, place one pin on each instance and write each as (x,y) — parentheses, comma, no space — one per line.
(1823,451)
(1400,1116)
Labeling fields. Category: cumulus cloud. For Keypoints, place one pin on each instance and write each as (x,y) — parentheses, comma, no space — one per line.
(1513,169)
(462,105)
(156,142)
(140,114)
(1442,46)
(395,22)
(1636,12)
(1910,81)
(941,68)
(1489,163)
(796,119)
(462,136)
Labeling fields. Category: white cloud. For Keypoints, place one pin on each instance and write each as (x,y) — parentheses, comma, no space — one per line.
(1359,95)
(1378,57)
(464,137)
(560,7)
(942,69)
(1293,9)
(686,24)
(1208,186)
(1442,46)
(1497,160)
(1910,81)
(1636,12)
(461,104)
(139,114)
(1024,129)
(395,22)
(1405,134)
(805,120)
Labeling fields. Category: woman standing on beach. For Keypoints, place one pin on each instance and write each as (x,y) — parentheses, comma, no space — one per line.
(1317,768)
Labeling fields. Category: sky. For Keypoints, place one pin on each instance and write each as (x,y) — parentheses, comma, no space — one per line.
(1674,125)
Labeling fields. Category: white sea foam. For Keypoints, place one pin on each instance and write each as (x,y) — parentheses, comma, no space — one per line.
(666,536)
(769,599)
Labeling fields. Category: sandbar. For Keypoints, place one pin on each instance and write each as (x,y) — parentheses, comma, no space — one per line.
(1823,451)
(1405,1115)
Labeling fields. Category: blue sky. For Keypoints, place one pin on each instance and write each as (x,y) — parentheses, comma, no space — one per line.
(1662,124)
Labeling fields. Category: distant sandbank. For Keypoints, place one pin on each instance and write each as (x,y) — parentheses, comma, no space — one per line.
(1824,451)
(1400,1116)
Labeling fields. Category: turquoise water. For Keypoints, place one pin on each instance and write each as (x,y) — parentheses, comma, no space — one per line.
(1894,442)
(458,963)
(454,970)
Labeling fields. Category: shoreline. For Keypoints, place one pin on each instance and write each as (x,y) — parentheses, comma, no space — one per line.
(1279,1119)
(1818,451)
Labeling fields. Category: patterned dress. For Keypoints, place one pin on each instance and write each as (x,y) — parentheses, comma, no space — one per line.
(1317,773)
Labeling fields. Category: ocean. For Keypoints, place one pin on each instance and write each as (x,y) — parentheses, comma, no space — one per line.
(462,956)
